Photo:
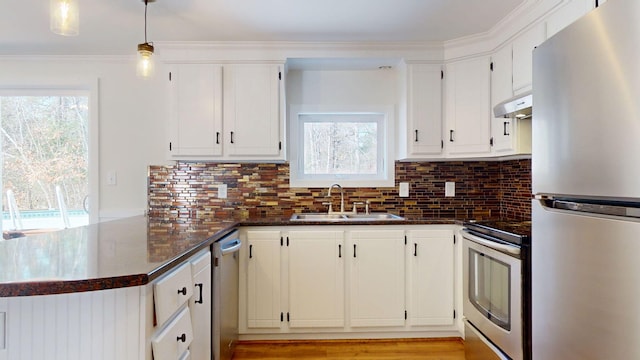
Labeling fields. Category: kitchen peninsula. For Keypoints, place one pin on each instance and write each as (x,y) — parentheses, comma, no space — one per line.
(80,292)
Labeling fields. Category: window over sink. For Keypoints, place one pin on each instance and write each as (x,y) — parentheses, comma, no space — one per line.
(350,146)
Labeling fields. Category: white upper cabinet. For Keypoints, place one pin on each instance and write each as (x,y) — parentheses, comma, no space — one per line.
(467,107)
(421,123)
(523,47)
(252,116)
(570,12)
(508,136)
(226,112)
(196,111)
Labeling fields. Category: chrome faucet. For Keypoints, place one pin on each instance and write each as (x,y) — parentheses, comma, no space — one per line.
(341,198)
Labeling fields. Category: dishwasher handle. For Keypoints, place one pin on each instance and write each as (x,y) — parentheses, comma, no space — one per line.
(230,246)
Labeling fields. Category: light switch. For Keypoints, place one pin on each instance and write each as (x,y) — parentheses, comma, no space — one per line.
(449,189)
(222,191)
(404,189)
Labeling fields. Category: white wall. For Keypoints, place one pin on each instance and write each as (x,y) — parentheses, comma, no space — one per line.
(342,87)
(132,117)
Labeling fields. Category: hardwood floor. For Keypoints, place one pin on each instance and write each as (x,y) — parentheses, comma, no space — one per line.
(406,349)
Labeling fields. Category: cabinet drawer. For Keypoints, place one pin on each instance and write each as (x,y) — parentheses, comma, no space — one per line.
(186,356)
(171,292)
(200,262)
(173,341)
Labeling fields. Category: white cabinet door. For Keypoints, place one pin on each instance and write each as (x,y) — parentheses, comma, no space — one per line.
(501,90)
(501,76)
(424,110)
(377,277)
(201,306)
(195,125)
(523,47)
(567,14)
(468,107)
(316,279)
(262,256)
(252,116)
(431,277)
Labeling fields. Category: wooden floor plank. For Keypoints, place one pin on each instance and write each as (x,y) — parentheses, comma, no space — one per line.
(408,349)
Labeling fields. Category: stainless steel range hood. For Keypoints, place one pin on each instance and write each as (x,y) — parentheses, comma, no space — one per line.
(518,107)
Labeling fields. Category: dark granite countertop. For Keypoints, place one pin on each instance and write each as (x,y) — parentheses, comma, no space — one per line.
(121,253)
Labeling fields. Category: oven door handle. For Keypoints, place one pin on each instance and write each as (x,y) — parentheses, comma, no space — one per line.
(514,250)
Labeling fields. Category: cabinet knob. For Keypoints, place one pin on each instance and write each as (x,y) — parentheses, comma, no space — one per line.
(182,338)
(183,291)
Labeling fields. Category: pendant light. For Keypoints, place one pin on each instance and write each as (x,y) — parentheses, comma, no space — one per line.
(64,17)
(145,66)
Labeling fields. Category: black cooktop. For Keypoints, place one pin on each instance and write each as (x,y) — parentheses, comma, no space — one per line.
(513,231)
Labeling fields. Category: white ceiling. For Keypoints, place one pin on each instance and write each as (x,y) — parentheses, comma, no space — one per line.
(114,27)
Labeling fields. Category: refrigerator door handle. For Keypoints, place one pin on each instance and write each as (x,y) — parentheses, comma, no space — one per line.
(596,208)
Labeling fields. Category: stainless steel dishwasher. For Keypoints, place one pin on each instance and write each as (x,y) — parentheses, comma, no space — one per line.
(225,296)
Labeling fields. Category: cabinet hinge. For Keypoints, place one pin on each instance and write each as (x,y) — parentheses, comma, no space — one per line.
(169,75)
(597,3)
(454,239)
(441,144)
(280,145)
(287,317)
(170,145)
(405,239)
(441,74)
(491,141)
(454,313)
(281,317)
(281,241)
(405,314)
(287,241)
(491,66)
(279,75)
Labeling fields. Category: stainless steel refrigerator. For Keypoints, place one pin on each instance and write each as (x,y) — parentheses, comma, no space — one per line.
(586,178)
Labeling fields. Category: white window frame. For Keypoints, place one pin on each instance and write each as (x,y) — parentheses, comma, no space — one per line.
(84,88)
(386,136)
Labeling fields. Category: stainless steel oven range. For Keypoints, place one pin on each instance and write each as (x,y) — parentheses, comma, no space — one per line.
(497,290)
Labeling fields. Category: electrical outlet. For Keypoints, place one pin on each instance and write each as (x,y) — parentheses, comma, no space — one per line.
(112,178)
(449,189)
(404,189)
(222,191)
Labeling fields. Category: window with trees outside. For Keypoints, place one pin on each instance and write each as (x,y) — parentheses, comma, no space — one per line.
(44,161)
(349,148)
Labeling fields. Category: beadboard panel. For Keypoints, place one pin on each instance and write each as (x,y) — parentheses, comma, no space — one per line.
(97,325)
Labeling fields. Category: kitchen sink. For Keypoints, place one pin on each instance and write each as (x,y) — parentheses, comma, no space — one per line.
(344,217)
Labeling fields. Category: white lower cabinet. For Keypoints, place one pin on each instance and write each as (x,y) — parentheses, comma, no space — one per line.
(431,277)
(261,262)
(316,278)
(200,306)
(377,278)
(332,281)
(173,340)
(178,316)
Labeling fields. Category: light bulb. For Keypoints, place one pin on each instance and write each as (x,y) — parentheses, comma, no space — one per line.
(145,66)
(64,17)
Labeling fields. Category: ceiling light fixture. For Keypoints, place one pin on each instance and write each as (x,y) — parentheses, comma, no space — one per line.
(145,51)
(64,17)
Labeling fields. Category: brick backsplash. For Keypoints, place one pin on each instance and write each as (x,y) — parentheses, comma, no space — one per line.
(484,190)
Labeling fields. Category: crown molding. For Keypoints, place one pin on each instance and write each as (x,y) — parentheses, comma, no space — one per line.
(522,18)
